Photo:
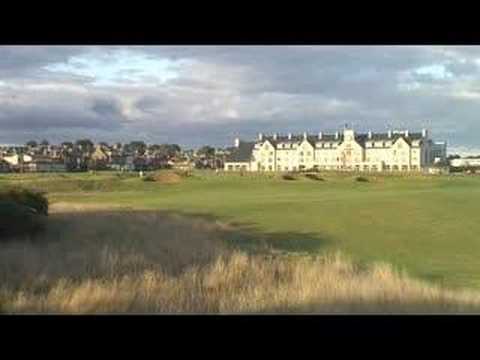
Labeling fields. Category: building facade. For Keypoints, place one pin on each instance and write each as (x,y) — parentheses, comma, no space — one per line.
(341,151)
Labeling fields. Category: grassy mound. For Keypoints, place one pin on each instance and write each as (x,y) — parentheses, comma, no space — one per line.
(288,177)
(164,177)
(361,179)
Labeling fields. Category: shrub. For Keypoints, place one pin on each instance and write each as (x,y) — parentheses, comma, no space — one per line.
(361,179)
(31,199)
(18,219)
(22,212)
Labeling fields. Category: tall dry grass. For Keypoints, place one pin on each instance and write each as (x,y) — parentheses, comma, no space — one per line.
(145,262)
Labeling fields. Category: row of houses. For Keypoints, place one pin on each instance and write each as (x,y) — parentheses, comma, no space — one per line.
(347,150)
(84,155)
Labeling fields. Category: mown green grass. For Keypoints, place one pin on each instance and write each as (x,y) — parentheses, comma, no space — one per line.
(428,225)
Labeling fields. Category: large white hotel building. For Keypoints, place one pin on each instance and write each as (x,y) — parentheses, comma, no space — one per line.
(346,150)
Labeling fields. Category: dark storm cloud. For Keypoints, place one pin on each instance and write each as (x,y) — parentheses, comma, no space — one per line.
(108,107)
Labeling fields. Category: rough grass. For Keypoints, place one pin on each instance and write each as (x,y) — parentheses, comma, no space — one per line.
(93,261)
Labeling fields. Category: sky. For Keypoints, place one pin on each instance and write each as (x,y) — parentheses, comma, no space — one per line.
(197,95)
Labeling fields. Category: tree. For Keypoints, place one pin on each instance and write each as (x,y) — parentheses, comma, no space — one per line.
(455,156)
(85,144)
(139,147)
(31,143)
(168,150)
(67,144)
(206,151)
(44,143)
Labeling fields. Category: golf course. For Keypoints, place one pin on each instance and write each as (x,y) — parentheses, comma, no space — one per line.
(425,225)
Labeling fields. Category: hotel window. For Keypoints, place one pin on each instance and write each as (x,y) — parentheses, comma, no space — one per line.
(301,154)
(270,160)
(309,153)
(384,144)
(270,167)
(271,152)
(373,144)
(286,168)
(404,167)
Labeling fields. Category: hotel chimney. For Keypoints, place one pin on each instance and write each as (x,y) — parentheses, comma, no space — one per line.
(275,136)
(237,142)
(424,133)
(336,135)
(389,134)
(320,135)
(369,134)
(289,136)
(305,135)
(406,133)
(260,136)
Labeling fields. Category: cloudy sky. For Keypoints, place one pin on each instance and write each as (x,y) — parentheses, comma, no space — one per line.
(196,95)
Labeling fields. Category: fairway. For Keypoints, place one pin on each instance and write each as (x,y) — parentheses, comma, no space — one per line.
(427,225)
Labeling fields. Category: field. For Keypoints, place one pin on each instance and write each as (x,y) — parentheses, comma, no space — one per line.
(425,226)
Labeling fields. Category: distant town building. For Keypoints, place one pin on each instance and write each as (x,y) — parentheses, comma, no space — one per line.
(45,165)
(439,151)
(347,150)
(465,162)
(4,166)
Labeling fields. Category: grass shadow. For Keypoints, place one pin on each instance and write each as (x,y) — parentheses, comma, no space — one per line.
(249,237)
